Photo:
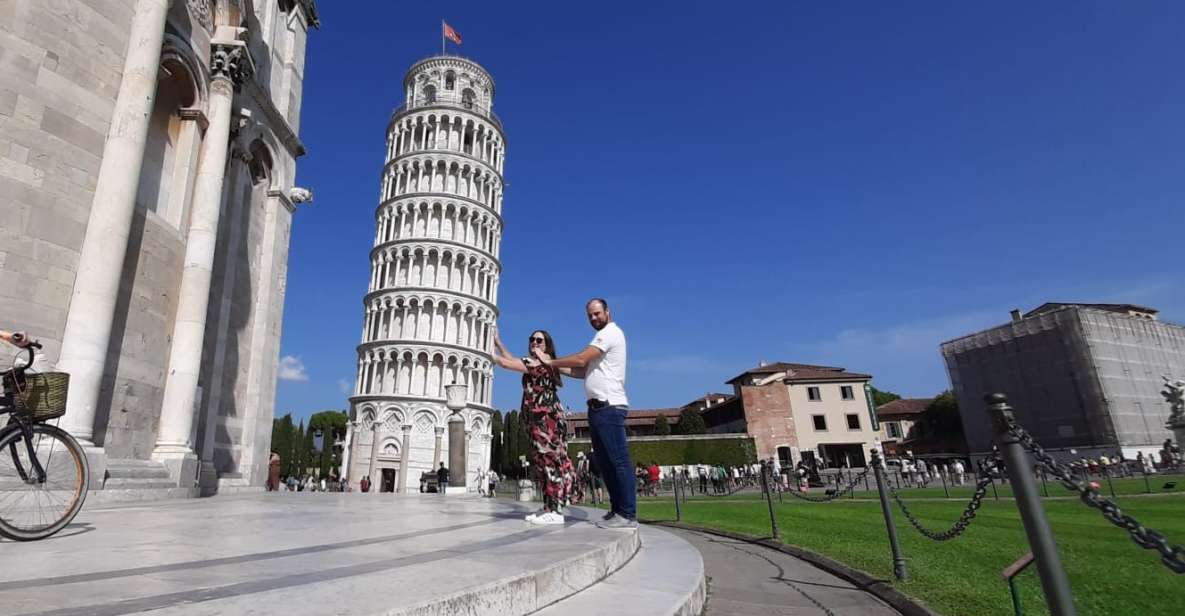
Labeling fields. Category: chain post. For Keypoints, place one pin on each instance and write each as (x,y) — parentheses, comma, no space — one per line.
(1147,485)
(945,490)
(1054,581)
(675,489)
(765,485)
(1044,486)
(994,491)
(899,570)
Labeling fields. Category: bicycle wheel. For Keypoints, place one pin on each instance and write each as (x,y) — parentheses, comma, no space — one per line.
(30,508)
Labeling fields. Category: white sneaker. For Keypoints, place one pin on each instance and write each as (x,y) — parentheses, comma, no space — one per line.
(549,517)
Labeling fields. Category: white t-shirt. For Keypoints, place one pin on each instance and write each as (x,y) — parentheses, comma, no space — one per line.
(605,377)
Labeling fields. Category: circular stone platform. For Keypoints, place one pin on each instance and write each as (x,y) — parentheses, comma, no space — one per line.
(312,553)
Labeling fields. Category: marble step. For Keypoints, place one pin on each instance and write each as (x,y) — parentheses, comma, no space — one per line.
(139,483)
(665,578)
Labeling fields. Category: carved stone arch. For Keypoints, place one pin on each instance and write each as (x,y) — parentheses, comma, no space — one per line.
(425,422)
(367,414)
(390,446)
(392,417)
(176,51)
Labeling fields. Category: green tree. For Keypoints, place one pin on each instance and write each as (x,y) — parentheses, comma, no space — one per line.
(690,422)
(282,431)
(882,397)
(308,455)
(332,425)
(497,444)
(661,426)
(942,417)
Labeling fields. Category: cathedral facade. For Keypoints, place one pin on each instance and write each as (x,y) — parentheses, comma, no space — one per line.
(148,157)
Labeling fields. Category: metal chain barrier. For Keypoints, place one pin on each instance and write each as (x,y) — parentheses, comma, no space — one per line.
(1173,556)
(960,526)
(837,494)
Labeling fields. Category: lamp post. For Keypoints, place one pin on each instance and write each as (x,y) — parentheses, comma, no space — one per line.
(455,395)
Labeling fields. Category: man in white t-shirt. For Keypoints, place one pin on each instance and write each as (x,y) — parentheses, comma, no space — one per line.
(602,366)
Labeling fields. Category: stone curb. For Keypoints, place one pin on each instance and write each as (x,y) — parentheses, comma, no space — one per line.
(879,588)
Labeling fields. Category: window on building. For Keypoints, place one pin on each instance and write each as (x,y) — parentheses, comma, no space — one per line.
(450,81)
(812,393)
(893,429)
(820,423)
(429,94)
(845,392)
(853,421)
(467,98)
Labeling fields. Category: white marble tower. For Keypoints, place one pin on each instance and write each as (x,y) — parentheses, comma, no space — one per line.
(432,300)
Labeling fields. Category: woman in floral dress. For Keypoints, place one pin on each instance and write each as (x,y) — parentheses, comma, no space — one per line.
(543,416)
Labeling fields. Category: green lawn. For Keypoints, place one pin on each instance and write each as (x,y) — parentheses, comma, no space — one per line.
(1109,574)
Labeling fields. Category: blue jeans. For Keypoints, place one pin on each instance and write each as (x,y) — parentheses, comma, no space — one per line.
(607,428)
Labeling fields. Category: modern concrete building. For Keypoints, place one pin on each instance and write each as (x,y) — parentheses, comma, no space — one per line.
(147,161)
(1083,376)
(432,301)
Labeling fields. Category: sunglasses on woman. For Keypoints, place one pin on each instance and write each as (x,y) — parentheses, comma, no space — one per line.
(538,340)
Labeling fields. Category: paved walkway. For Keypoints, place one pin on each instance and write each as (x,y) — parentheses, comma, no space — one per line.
(746,579)
(306,554)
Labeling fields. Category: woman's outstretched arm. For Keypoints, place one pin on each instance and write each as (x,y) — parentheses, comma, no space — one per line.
(503,357)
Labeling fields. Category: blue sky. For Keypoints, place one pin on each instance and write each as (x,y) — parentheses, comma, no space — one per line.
(838,183)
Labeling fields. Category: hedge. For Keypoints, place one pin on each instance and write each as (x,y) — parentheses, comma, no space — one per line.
(671,451)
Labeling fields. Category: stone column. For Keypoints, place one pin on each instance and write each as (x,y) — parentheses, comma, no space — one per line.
(456,453)
(347,451)
(374,454)
(89,320)
(439,443)
(228,65)
(404,458)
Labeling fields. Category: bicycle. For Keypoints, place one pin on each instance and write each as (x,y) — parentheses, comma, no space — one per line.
(43,470)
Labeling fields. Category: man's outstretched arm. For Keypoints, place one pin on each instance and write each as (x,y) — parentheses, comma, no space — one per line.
(578,362)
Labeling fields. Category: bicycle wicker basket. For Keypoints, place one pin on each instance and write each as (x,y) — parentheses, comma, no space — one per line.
(40,396)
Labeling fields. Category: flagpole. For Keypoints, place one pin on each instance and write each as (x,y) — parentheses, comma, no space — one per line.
(442,37)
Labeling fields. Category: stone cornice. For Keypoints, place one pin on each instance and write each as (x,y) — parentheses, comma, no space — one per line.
(428,242)
(448,61)
(432,196)
(282,196)
(468,303)
(275,120)
(442,155)
(408,110)
(369,297)
(195,115)
(417,401)
(421,346)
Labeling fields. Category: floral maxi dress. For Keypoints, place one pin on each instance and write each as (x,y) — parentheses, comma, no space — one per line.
(548,429)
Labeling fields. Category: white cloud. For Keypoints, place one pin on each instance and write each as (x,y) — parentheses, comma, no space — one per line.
(292,369)
(345,386)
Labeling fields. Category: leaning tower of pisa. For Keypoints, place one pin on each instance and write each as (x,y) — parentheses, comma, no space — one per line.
(432,299)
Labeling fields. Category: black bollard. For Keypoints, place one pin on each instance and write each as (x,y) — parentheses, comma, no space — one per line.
(1032,514)
(1044,487)
(942,476)
(678,511)
(894,547)
(773,520)
(1147,486)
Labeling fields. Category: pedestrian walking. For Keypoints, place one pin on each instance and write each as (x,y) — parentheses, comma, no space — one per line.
(441,478)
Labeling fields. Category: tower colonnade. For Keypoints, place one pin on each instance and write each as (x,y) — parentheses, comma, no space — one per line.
(431,302)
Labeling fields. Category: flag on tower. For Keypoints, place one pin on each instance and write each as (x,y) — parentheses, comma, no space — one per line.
(451,34)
